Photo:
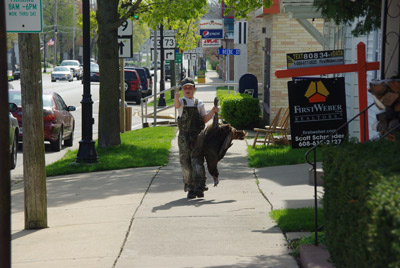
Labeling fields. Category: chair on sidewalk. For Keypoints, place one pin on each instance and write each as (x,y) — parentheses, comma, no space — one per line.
(268,130)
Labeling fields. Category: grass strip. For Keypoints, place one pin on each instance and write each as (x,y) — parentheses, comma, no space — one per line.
(269,156)
(296,219)
(139,148)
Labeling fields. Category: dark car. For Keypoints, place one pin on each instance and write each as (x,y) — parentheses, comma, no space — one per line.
(150,79)
(59,123)
(133,87)
(14,131)
(94,72)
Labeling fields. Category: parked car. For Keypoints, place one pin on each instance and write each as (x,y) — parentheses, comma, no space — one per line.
(59,123)
(75,66)
(17,74)
(133,87)
(143,79)
(150,79)
(62,73)
(94,73)
(158,65)
(14,131)
(167,72)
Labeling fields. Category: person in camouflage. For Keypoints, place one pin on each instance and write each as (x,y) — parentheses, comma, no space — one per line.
(191,121)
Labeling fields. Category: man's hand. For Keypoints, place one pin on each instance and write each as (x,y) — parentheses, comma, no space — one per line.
(177,103)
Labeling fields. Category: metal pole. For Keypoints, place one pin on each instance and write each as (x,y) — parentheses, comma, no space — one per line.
(315,198)
(87,152)
(44,52)
(161,100)
(155,60)
(73,35)
(122,87)
(5,195)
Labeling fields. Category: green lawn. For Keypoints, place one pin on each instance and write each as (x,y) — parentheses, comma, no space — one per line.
(139,148)
(263,156)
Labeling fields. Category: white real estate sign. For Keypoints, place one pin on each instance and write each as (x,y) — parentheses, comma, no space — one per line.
(24,16)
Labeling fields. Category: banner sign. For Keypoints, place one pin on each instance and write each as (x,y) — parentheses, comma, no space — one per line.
(212,33)
(210,43)
(314,59)
(211,24)
(317,109)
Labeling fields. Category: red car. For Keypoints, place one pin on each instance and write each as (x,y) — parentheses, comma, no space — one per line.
(133,88)
(59,123)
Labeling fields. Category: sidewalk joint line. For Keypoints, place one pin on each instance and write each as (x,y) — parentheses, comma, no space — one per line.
(133,218)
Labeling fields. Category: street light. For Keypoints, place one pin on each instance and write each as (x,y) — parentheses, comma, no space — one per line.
(87,151)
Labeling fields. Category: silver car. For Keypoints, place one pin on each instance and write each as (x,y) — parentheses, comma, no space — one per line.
(75,66)
(62,73)
(14,130)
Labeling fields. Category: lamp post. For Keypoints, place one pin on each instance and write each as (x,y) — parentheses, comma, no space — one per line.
(161,101)
(87,152)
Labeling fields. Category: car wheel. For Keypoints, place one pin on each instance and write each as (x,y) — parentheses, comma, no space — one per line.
(56,145)
(14,152)
(138,100)
(69,142)
(126,86)
(53,80)
(70,80)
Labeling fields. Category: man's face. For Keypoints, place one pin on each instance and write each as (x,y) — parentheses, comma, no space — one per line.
(188,91)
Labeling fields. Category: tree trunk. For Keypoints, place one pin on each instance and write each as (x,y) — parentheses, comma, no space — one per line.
(33,133)
(107,16)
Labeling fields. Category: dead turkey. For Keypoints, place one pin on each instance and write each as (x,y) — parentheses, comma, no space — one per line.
(212,144)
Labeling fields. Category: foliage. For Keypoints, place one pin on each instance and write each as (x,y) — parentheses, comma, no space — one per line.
(296,219)
(345,11)
(242,8)
(139,148)
(308,240)
(263,156)
(384,227)
(359,205)
(240,110)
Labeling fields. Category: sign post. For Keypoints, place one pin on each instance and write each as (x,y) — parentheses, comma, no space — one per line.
(361,67)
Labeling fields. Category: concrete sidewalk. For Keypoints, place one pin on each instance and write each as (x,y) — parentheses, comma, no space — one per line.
(141,217)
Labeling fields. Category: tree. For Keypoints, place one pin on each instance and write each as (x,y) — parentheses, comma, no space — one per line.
(346,11)
(243,7)
(110,15)
(32,105)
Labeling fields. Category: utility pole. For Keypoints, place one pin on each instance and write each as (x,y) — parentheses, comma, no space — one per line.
(73,34)
(55,33)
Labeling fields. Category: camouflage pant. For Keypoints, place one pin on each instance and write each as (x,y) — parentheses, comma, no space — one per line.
(193,171)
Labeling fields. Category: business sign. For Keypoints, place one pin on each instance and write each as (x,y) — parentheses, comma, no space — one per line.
(210,43)
(216,33)
(314,59)
(223,51)
(317,109)
(211,24)
(24,16)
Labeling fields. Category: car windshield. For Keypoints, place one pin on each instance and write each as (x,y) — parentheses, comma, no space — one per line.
(94,67)
(15,97)
(61,69)
(69,63)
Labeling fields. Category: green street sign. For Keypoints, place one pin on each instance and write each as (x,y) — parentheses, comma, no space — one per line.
(178,58)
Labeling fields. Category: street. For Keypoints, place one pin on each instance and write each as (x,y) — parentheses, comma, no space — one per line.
(72,93)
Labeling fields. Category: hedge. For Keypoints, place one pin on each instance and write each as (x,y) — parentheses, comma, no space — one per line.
(241,111)
(361,203)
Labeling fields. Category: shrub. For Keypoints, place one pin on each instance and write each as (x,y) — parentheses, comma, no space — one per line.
(352,175)
(240,110)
